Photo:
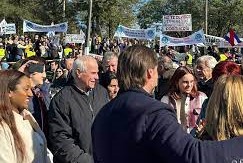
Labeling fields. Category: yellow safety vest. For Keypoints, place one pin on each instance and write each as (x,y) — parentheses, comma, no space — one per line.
(30,53)
(223,57)
(67,51)
(189,61)
(2,53)
(28,48)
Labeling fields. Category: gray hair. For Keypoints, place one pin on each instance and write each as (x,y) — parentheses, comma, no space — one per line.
(108,55)
(208,60)
(81,64)
(166,62)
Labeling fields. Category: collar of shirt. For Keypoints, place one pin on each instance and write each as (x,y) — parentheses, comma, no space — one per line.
(82,91)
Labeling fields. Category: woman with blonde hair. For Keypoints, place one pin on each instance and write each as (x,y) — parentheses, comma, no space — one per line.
(224,115)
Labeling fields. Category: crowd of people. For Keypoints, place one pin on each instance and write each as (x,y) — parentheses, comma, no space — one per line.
(134,103)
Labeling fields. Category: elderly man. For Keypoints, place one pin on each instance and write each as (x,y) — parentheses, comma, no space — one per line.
(136,128)
(203,71)
(72,111)
(165,71)
(109,62)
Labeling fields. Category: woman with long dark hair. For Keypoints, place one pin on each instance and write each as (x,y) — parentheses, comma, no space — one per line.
(184,97)
(22,140)
(110,83)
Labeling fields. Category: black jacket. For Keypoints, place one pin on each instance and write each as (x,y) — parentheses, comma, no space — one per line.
(135,128)
(71,116)
(162,88)
(206,87)
(164,84)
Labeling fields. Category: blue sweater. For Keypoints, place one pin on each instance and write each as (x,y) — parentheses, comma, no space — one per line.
(135,128)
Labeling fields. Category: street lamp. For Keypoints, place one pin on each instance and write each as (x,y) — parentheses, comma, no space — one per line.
(64,9)
(63,3)
(89,28)
(206,17)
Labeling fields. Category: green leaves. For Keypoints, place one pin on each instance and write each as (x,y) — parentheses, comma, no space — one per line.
(222,14)
(108,14)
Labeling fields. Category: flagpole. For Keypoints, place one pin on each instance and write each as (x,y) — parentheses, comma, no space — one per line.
(64,9)
(206,17)
(89,28)
(206,23)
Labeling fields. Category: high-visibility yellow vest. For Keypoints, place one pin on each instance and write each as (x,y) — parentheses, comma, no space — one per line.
(189,61)
(28,48)
(2,53)
(223,57)
(30,53)
(67,51)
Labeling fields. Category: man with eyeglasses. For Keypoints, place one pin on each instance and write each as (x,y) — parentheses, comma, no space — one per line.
(203,71)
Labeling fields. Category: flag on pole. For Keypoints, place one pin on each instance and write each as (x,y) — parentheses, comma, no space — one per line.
(232,38)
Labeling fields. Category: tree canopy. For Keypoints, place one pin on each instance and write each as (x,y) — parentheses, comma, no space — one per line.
(108,14)
(222,14)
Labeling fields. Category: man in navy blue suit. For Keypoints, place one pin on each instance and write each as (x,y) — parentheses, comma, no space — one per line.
(136,128)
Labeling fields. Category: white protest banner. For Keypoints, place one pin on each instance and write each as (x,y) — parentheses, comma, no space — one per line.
(219,42)
(226,44)
(147,34)
(29,26)
(9,29)
(99,57)
(2,24)
(51,34)
(195,38)
(210,39)
(75,38)
(177,22)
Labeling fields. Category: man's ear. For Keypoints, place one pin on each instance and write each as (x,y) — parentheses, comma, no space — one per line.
(78,72)
(150,73)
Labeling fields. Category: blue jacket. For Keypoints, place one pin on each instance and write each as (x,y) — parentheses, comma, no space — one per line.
(39,105)
(135,128)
